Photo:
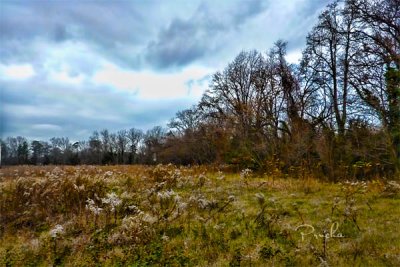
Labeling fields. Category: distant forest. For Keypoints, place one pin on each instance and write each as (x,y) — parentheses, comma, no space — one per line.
(335,115)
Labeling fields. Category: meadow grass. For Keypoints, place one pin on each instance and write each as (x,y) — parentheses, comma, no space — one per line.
(193,216)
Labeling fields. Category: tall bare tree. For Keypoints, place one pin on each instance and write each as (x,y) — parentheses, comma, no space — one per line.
(134,136)
(377,76)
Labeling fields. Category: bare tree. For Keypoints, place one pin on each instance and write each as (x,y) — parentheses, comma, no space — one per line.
(95,148)
(153,141)
(329,53)
(232,93)
(134,136)
(122,142)
(186,121)
(377,76)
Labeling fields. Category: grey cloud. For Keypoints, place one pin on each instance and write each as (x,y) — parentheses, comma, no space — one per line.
(178,45)
(140,34)
(101,21)
(304,21)
(107,27)
(248,9)
(185,40)
(311,7)
(61,33)
(181,43)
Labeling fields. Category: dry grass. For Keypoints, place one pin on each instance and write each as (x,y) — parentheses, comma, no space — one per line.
(198,216)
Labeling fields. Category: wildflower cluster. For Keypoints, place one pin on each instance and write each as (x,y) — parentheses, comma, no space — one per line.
(246,173)
(112,201)
(391,188)
(57,231)
(134,230)
(93,207)
(351,189)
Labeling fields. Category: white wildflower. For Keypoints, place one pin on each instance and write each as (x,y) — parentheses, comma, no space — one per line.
(182,206)
(149,219)
(92,207)
(165,238)
(165,195)
(57,231)
(203,203)
(112,200)
(245,173)
(394,185)
(220,175)
(108,174)
(177,198)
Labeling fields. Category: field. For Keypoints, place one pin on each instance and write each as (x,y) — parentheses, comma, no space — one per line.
(193,216)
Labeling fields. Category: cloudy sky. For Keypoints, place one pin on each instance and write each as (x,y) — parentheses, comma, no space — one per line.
(69,67)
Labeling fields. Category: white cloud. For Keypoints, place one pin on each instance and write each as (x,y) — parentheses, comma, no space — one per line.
(151,85)
(17,72)
(294,56)
(69,63)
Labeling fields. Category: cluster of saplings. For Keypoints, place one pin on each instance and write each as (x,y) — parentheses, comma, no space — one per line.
(336,114)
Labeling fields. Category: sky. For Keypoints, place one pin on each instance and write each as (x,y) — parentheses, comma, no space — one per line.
(69,67)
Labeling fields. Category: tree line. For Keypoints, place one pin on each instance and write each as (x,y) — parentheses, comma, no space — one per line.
(336,114)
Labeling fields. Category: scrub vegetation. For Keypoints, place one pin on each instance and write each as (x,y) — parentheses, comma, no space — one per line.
(166,215)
